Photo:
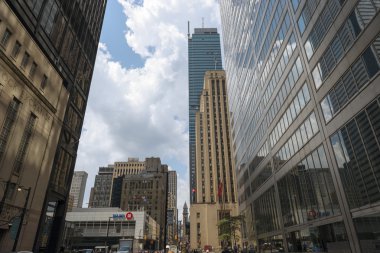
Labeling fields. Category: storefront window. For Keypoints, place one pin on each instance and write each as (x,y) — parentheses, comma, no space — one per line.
(325,238)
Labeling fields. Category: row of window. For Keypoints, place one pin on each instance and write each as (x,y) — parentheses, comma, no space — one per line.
(261,177)
(265,211)
(307,191)
(341,43)
(306,13)
(352,81)
(270,33)
(276,47)
(291,113)
(25,59)
(278,72)
(285,90)
(321,26)
(357,151)
(300,137)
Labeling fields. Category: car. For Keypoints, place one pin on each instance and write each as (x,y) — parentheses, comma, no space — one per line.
(86,251)
(124,249)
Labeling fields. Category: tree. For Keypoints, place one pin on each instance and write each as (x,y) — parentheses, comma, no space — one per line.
(229,228)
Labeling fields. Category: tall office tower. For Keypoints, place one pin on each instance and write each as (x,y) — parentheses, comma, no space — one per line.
(203,54)
(172,234)
(147,191)
(48,50)
(303,87)
(215,176)
(78,186)
(101,192)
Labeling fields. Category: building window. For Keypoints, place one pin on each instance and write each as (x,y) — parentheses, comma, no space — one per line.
(5,39)
(8,124)
(357,155)
(33,69)
(16,49)
(24,143)
(25,60)
(43,82)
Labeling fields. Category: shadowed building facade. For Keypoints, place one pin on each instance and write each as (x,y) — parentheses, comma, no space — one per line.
(51,47)
(303,87)
(203,54)
(216,196)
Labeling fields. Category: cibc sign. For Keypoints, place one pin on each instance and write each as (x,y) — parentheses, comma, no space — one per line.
(122,216)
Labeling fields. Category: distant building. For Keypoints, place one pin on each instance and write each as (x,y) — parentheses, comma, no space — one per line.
(132,167)
(145,191)
(216,193)
(172,234)
(78,187)
(203,54)
(185,225)
(101,192)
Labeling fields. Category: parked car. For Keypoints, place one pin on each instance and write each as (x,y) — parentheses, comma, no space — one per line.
(86,251)
(124,249)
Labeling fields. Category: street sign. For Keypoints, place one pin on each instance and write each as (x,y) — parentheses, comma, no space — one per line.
(129,216)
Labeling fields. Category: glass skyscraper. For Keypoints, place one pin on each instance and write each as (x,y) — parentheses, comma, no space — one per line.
(204,54)
(304,95)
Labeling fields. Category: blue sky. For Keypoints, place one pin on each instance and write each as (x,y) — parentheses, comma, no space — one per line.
(138,102)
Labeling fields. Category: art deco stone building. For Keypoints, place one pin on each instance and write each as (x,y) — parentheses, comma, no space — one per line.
(216,196)
(304,94)
(203,54)
(47,51)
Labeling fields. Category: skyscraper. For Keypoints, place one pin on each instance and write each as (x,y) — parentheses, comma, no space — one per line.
(203,54)
(101,191)
(51,47)
(304,86)
(215,178)
(78,186)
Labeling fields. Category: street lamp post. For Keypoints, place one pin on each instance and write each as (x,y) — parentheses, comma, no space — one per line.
(108,228)
(22,216)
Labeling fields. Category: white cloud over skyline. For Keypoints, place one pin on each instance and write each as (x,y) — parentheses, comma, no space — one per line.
(143,112)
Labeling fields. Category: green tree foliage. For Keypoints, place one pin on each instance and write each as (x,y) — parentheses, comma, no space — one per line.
(228,229)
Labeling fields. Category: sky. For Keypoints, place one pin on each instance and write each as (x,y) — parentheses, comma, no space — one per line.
(138,101)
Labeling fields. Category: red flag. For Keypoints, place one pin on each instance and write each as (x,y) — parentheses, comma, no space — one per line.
(220,189)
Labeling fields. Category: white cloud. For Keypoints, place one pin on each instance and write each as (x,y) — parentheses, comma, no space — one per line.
(143,112)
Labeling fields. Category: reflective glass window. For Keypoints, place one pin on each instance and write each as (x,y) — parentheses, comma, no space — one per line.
(325,238)
(309,49)
(357,152)
(325,105)
(317,77)
(367,229)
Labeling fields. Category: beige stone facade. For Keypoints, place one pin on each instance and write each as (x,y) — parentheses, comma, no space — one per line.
(32,104)
(215,193)
(132,167)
